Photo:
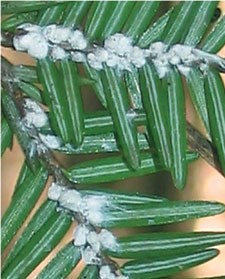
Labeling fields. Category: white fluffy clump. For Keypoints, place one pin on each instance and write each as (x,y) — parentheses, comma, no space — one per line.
(178,55)
(102,54)
(117,51)
(182,57)
(107,240)
(113,60)
(91,242)
(158,54)
(35,115)
(98,57)
(78,56)
(106,273)
(89,256)
(118,44)
(54,191)
(56,34)
(77,40)
(70,199)
(86,239)
(94,62)
(137,57)
(156,49)
(58,53)
(91,207)
(95,202)
(41,41)
(80,235)
(32,42)
(50,141)
(184,53)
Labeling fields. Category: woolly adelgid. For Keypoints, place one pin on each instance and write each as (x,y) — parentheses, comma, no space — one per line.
(133,62)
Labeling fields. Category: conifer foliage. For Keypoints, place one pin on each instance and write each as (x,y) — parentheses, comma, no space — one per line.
(138,62)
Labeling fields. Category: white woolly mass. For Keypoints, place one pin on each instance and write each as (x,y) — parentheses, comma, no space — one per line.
(78,56)
(86,239)
(95,218)
(117,51)
(25,41)
(96,58)
(54,191)
(56,34)
(35,115)
(89,256)
(113,60)
(95,206)
(178,55)
(38,40)
(184,53)
(38,50)
(93,240)
(58,53)
(77,40)
(70,199)
(158,52)
(105,273)
(107,240)
(118,44)
(94,62)
(124,64)
(96,203)
(102,54)
(156,49)
(50,141)
(184,69)
(80,235)
(18,45)
(84,236)
(33,43)
(137,57)
(91,207)
(161,66)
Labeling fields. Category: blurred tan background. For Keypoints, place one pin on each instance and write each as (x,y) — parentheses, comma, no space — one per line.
(204,183)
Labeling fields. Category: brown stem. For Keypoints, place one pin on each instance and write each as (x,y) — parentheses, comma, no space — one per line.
(9,83)
(45,154)
(7,39)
